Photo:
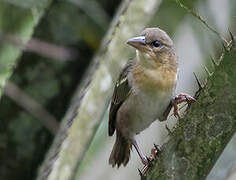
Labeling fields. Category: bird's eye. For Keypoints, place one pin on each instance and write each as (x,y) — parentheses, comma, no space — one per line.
(156,43)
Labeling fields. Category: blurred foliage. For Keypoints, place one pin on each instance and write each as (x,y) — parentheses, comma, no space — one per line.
(171,22)
(72,25)
(24,141)
(75,24)
(18,22)
(28,3)
(13,153)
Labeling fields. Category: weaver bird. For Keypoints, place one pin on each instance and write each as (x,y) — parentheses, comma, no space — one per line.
(144,92)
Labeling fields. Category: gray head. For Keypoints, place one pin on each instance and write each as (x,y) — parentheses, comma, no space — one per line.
(154,44)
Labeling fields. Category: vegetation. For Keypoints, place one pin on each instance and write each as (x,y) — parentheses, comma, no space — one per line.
(58,63)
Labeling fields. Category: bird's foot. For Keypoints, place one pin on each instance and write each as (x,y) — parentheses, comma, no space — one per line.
(154,153)
(179,99)
(156,150)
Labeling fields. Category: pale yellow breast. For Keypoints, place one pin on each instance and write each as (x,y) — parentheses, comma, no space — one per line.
(153,80)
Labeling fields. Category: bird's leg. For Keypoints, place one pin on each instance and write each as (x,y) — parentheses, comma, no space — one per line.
(154,153)
(140,153)
(179,99)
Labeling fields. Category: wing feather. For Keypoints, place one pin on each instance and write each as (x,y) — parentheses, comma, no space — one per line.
(121,92)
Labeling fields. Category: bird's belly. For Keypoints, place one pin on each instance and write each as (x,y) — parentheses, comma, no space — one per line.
(141,110)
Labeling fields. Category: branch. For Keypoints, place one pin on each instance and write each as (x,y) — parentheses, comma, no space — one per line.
(201,136)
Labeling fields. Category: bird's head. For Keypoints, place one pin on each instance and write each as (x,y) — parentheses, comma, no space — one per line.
(154,47)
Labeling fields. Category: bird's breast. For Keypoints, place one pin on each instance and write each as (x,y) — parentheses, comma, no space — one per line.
(140,110)
(153,80)
(152,91)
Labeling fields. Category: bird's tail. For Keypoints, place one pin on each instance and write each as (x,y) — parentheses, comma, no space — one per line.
(121,151)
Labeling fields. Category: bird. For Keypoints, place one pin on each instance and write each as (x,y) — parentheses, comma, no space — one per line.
(143,93)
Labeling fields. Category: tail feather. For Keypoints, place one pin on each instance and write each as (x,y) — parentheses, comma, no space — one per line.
(121,151)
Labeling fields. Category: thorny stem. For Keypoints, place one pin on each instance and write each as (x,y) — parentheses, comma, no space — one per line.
(202,20)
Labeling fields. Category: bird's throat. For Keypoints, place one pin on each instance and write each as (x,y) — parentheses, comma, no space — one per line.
(144,59)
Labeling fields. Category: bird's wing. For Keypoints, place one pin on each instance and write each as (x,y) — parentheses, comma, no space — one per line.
(121,92)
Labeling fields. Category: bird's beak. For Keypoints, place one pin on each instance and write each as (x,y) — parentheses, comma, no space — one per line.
(137,42)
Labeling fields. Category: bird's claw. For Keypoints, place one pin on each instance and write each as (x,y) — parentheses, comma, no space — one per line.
(179,99)
(154,153)
(156,150)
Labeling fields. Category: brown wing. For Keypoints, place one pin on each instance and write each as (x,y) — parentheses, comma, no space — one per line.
(121,92)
